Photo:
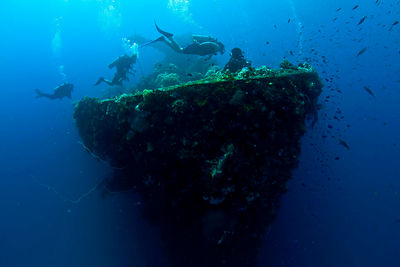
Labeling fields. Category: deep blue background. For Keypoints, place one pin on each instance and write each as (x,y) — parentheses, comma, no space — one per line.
(337,212)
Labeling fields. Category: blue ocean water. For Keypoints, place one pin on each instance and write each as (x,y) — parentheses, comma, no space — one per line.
(341,209)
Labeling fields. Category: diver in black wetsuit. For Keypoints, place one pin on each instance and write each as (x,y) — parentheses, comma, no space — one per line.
(237,61)
(201,46)
(61,91)
(123,65)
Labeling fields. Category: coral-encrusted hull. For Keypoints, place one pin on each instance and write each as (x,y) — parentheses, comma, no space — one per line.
(209,157)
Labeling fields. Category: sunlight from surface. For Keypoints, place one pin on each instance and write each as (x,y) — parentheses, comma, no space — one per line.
(299,29)
(181,7)
(129,48)
(110,17)
(56,41)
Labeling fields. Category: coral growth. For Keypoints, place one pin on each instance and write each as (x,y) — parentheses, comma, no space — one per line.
(210,157)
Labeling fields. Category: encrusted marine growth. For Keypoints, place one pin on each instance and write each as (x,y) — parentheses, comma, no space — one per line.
(210,157)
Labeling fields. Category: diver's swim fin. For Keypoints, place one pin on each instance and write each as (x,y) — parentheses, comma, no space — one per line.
(166,34)
(159,39)
(38,93)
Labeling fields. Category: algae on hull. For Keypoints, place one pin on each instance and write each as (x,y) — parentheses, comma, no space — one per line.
(209,157)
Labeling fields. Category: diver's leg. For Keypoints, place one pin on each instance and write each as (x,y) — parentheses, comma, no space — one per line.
(159,39)
(101,79)
(40,94)
(110,83)
(172,43)
(117,80)
(48,96)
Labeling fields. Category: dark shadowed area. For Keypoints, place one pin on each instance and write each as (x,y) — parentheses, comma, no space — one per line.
(342,206)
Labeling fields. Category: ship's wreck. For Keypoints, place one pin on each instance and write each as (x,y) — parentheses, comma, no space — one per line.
(210,158)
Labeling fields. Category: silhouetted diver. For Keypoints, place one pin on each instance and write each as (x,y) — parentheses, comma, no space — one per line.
(61,91)
(123,64)
(237,61)
(202,45)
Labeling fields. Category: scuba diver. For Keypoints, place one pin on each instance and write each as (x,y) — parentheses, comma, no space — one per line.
(201,46)
(237,61)
(123,65)
(61,91)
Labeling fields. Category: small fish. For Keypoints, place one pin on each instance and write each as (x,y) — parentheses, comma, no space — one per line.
(355,7)
(362,20)
(394,24)
(361,51)
(189,74)
(338,9)
(288,21)
(267,42)
(343,143)
(369,91)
